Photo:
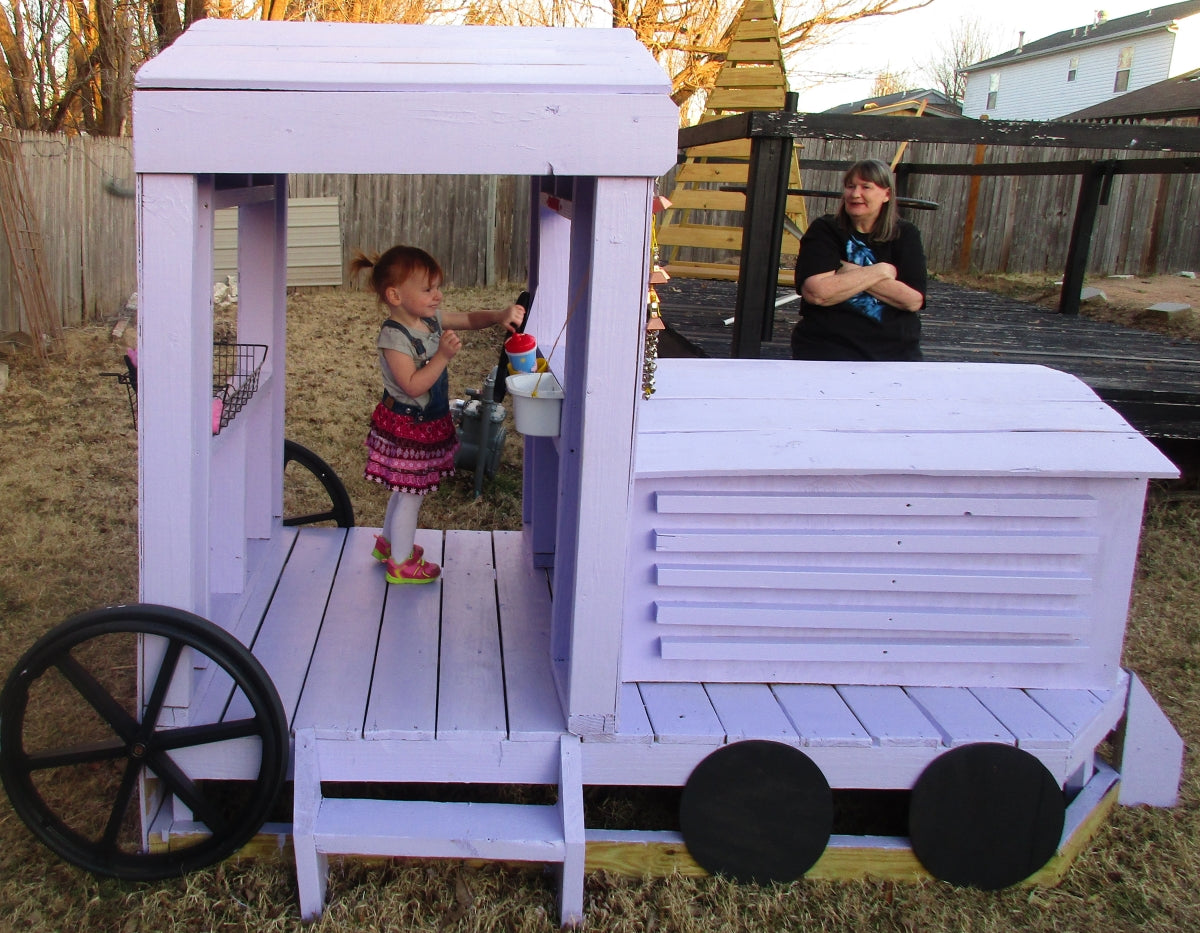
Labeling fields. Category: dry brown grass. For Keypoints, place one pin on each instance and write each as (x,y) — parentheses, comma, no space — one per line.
(68,543)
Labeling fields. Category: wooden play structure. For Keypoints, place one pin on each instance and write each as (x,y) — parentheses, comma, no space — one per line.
(713,179)
(764,584)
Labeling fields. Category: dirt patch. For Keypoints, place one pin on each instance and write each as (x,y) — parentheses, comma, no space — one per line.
(1126,301)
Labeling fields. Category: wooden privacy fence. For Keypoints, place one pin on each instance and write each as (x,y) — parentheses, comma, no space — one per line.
(81,190)
(86,257)
(1150,223)
(477,226)
(772,137)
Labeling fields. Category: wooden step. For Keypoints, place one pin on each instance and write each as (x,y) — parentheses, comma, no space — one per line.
(437,829)
(324,826)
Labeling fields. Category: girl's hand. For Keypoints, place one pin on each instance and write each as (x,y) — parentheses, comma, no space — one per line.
(511,317)
(449,345)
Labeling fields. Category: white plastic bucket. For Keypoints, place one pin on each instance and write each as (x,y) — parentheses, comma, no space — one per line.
(539,414)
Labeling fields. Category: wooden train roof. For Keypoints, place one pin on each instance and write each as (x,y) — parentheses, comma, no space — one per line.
(253,96)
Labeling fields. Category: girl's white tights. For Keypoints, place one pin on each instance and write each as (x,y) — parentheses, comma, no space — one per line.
(400,523)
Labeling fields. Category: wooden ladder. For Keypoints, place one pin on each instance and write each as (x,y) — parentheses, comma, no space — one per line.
(24,237)
(707,184)
(324,826)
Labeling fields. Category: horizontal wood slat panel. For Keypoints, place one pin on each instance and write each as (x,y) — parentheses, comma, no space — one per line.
(752,76)
(700,648)
(924,504)
(747,542)
(710,199)
(757,99)
(725,576)
(867,619)
(695,235)
(729,173)
(757,51)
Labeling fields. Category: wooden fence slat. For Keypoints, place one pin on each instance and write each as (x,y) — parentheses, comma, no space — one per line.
(478,227)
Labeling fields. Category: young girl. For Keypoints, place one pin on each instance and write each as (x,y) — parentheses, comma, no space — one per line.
(412,441)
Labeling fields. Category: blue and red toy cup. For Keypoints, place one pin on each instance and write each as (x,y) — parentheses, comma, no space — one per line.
(522,353)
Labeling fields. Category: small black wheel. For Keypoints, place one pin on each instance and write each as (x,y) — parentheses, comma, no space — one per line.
(75,741)
(985,815)
(756,811)
(307,502)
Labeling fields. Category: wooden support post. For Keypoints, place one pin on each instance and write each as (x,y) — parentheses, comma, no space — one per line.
(1094,186)
(762,239)
(964,251)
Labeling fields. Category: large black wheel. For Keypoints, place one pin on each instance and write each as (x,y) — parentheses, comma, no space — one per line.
(75,742)
(986,816)
(313,493)
(756,811)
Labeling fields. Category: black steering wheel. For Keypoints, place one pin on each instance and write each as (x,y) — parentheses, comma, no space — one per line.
(525,300)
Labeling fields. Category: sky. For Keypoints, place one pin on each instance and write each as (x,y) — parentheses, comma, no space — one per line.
(907,41)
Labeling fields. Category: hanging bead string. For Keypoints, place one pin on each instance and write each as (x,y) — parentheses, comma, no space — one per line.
(654,322)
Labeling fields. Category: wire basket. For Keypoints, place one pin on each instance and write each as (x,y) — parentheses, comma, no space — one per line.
(236,368)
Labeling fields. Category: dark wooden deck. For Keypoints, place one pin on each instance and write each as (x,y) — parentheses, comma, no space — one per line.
(1151,379)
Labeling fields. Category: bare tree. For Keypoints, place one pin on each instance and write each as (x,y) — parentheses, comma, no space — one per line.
(890,81)
(809,23)
(17,83)
(70,63)
(968,42)
(690,38)
(366,11)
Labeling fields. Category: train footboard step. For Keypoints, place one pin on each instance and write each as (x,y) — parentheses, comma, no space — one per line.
(325,826)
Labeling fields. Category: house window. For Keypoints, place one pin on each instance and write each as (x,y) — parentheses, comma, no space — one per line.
(1124,65)
(1072,68)
(993,91)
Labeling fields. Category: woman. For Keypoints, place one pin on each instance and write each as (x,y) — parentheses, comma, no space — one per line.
(861,276)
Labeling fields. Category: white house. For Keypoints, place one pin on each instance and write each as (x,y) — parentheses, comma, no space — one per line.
(1086,65)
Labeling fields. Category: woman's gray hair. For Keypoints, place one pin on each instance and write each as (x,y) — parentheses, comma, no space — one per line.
(887,225)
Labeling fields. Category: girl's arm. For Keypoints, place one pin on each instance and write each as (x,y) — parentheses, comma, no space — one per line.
(416,382)
(511,317)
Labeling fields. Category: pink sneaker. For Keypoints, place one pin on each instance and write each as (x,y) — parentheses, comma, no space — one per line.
(413,570)
(383,549)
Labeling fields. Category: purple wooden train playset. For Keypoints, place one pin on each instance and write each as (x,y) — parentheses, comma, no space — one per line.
(763,584)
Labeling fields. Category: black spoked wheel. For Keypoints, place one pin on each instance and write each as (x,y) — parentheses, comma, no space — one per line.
(75,742)
(313,493)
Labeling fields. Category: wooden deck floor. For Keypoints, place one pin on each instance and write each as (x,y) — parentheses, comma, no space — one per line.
(1152,380)
(353,657)
(452,681)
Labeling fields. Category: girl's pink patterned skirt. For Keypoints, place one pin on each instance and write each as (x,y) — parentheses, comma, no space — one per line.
(408,455)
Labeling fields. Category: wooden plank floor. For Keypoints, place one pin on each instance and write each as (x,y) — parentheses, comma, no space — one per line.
(1151,379)
(353,657)
(452,681)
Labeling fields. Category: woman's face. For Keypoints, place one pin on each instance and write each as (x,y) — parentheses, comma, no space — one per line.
(863,202)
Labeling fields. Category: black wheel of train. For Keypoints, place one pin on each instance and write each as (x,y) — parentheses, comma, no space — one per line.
(75,740)
(340,509)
